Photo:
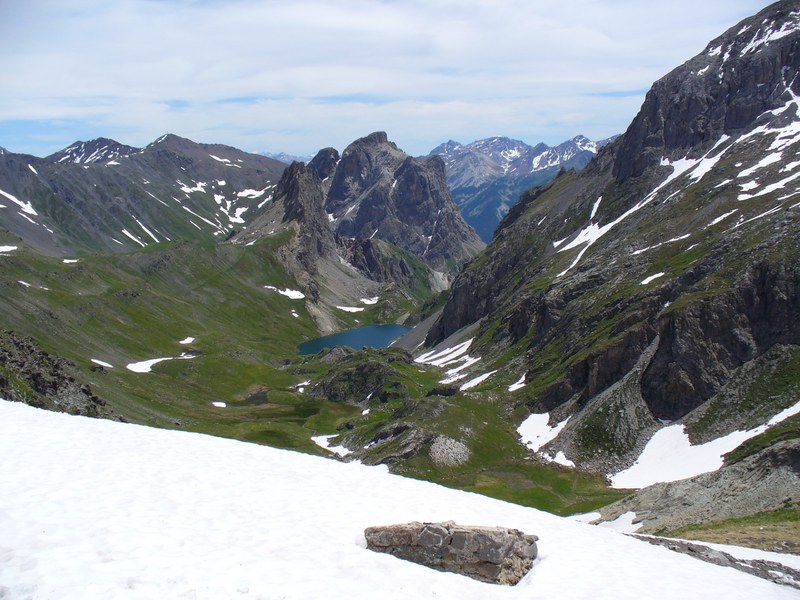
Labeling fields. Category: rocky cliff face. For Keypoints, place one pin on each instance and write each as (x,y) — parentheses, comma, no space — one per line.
(378,191)
(741,75)
(34,377)
(634,291)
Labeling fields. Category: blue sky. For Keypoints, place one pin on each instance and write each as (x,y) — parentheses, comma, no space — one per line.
(266,75)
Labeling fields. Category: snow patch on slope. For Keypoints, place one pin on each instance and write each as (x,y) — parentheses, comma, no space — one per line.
(669,456)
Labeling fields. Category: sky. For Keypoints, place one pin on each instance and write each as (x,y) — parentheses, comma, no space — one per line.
(278,76)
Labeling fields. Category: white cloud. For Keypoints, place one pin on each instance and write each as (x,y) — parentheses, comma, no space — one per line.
(309,74)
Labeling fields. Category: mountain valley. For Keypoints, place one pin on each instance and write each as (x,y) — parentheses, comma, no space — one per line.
(611,329)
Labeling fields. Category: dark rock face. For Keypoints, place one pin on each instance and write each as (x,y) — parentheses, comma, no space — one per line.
(324,163)
(720,91)
(704,344)
(31,376)
(490,554)
(302,200)
(378,262)
(379,191)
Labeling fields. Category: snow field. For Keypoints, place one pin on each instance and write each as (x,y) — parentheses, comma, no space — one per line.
(26,207)
(517,385)
(476,380)
(99,509)
(536,433)
(651,278)
(323,441)
(351,309)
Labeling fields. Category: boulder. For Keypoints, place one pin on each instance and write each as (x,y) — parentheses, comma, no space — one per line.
(490,554)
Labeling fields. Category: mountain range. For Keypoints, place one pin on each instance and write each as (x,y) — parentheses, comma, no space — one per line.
(105,196)
(486,177)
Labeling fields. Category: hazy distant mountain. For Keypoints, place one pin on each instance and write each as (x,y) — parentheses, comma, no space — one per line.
(486,177)
(287,158)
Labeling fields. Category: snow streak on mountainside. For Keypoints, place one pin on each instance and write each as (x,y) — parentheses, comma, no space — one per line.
(99,150)
(98,509)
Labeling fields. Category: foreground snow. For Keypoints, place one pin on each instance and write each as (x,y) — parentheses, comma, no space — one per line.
(99,509)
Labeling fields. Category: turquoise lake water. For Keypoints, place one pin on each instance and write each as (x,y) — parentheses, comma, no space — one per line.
(372,336)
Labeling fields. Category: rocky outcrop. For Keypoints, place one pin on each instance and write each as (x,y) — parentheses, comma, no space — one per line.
(490,554)
(324,163)
(447,452)
(303,204)
(765,569)
(378,261)
(34,377)
(766,481)
(358,378)
(703,344)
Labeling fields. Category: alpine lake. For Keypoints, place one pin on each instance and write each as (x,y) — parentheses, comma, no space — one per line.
(372,336)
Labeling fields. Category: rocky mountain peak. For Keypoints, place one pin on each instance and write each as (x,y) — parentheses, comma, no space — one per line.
(747,71)
(94,151)
(324,163)
(380,191)
(303,203)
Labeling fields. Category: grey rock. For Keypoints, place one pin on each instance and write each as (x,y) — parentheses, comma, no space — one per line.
(32,376)
(767,481)
(490,554)
(377,190)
